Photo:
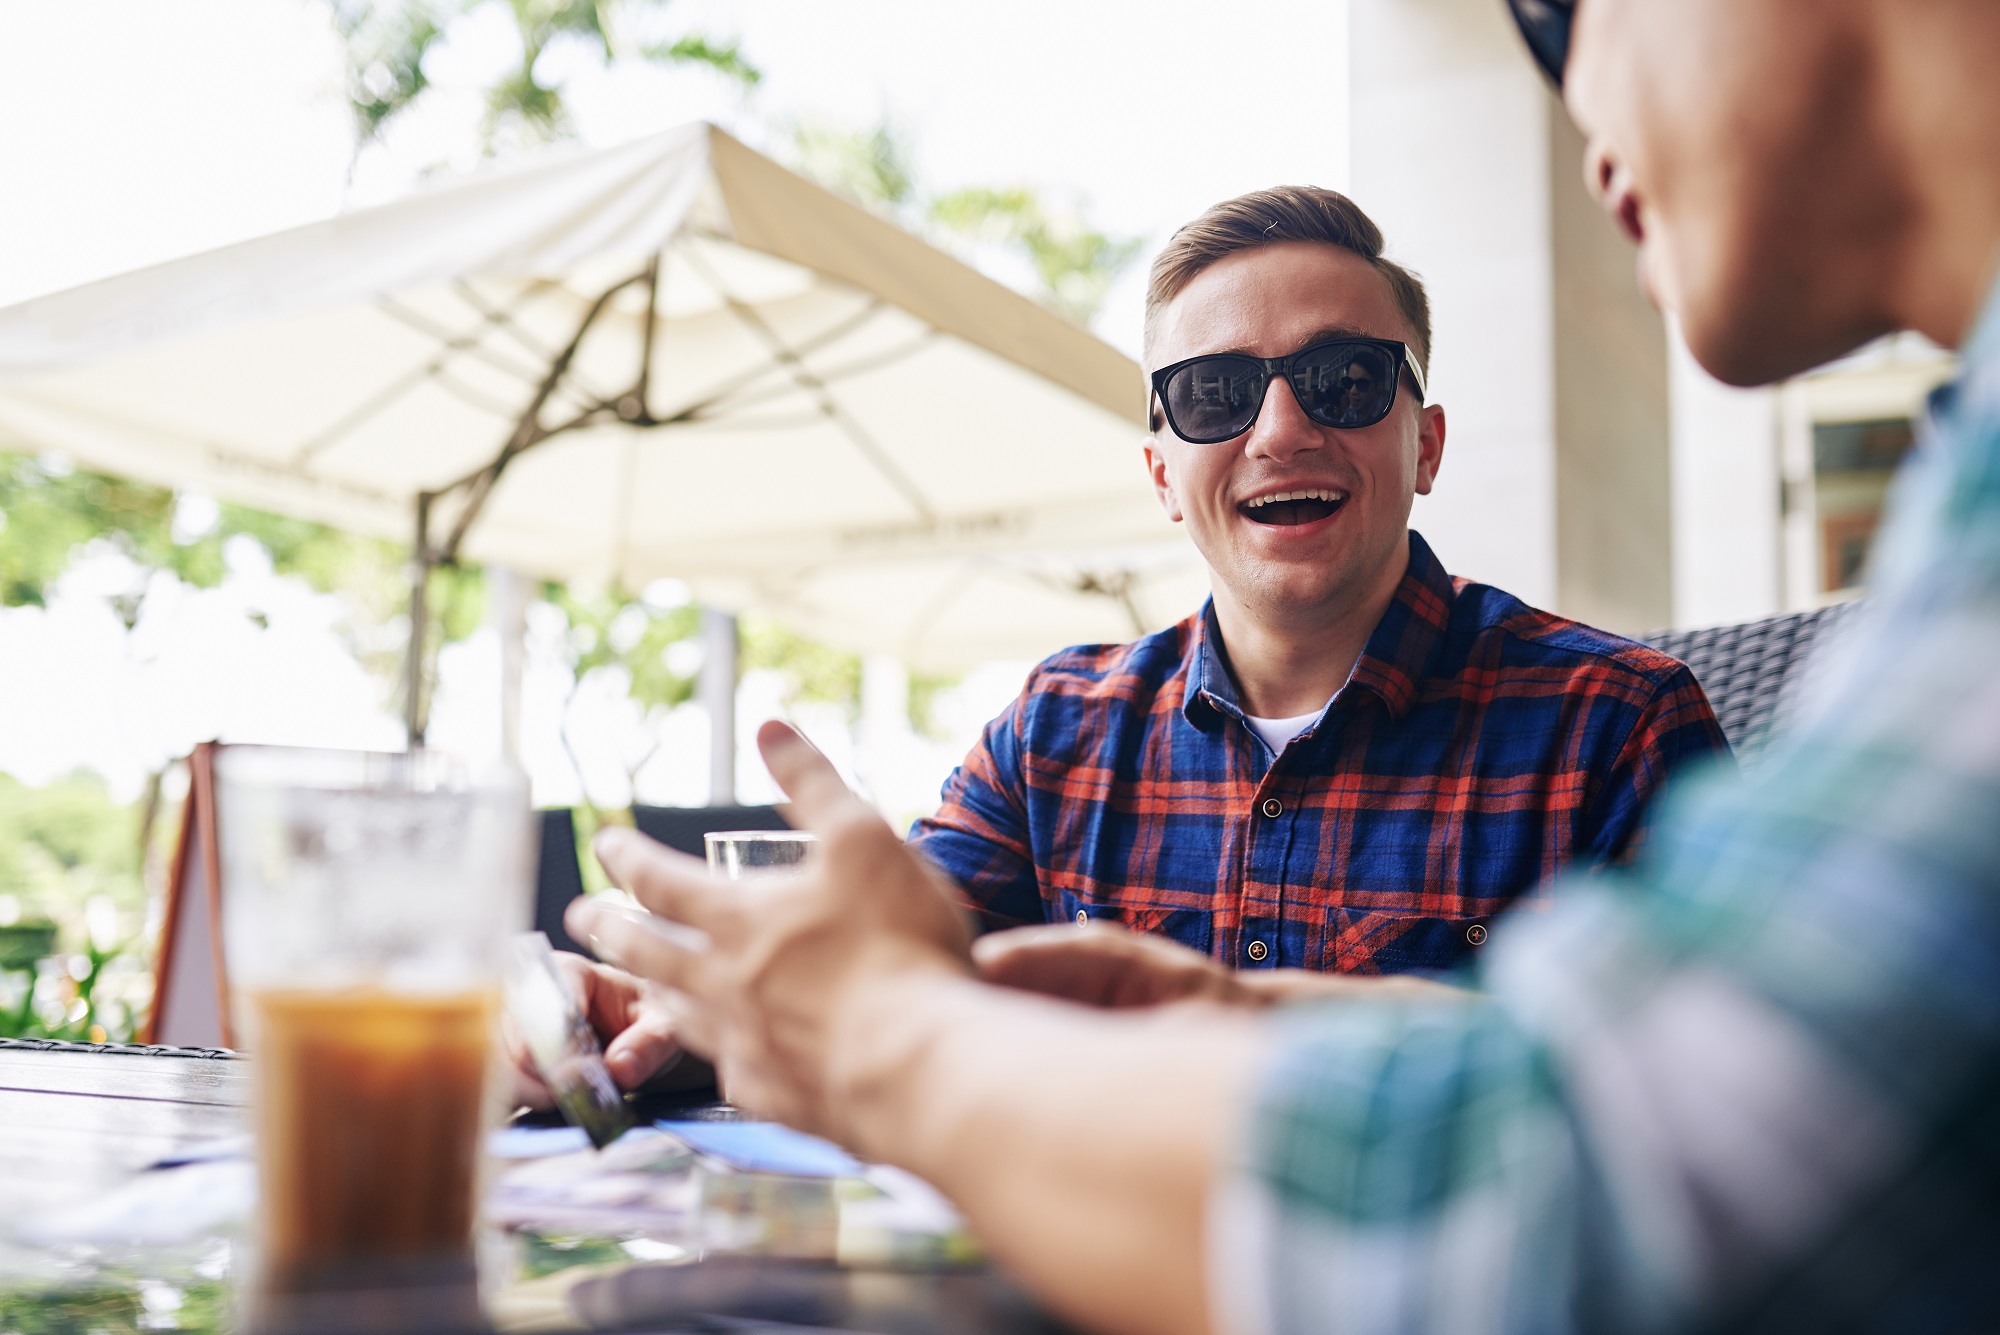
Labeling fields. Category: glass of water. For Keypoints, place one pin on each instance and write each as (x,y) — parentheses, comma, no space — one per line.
(735,854)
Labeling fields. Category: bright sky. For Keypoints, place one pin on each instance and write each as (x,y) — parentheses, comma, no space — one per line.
(141,131)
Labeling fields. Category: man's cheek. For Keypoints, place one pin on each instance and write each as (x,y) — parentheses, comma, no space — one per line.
(1659,268)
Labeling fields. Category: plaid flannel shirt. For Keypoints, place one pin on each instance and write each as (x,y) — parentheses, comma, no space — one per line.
(1478,746)
(1751,1081)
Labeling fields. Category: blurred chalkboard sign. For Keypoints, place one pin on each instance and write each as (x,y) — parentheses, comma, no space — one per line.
(190,983)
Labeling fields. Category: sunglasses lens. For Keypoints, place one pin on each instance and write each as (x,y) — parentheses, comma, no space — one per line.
(1545,24)
(1215,398)
(1345,384)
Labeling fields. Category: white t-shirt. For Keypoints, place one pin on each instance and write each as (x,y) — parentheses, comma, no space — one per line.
(1277,731)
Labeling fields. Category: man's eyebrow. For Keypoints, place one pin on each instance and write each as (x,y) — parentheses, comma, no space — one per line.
(1320,335)
(1337,331)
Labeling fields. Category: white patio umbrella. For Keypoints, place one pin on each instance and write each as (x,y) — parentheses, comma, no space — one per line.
(672,358)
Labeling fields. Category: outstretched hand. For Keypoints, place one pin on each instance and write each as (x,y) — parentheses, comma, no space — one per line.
(1098,964)
(1102,965)
(765,975)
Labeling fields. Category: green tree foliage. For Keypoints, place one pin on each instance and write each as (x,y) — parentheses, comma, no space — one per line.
(1073,264)
(63,843)
(53,514)
(871,167)
(813,671)
(610,630)
(387,42)
(386,45)
(67,850)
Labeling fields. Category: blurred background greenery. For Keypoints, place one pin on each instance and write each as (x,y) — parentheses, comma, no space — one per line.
(82,875)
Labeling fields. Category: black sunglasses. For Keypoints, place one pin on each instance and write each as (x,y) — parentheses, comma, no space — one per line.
(1546,24)
(1339,382)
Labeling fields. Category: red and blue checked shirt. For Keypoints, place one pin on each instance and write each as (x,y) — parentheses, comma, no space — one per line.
(1478,746)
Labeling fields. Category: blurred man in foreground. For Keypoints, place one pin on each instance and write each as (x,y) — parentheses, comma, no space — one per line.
(1751,1081)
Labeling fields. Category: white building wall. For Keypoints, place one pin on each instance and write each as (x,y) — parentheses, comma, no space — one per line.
(1727,498)
(1449,154)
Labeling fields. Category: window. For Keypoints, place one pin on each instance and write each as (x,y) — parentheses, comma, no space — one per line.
(1852,465)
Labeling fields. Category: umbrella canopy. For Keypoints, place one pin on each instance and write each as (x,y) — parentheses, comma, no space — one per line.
(672,358)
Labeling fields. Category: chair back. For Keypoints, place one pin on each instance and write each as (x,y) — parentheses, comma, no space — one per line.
(682,828)
(1750,670)
(558,877)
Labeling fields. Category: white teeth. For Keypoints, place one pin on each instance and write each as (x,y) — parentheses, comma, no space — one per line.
(1329,496)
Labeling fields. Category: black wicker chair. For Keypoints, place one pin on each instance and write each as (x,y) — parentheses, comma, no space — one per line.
(1749,669)
(683,827)
(558,878)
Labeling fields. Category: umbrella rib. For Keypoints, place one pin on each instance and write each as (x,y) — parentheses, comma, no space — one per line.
(395,389)
(938,605)
(502,317)
(528,428)
(1117,587)
(473,398)
(723,403)
(721,393)
(813,385)
(455,342)
(505,323)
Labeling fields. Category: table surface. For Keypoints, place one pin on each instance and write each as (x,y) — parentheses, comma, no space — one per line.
(77,1119)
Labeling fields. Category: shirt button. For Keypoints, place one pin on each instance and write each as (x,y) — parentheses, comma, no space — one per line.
(1273,808)
(1476,934)
(1259,951)
(1081,917)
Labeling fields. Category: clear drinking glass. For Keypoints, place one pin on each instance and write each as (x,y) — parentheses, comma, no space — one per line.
(367,904)
(737,853)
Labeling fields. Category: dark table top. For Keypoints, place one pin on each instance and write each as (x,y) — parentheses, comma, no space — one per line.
(78,1120)
(74,1117)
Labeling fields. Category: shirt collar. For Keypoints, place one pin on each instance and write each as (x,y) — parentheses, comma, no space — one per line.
(1400,654)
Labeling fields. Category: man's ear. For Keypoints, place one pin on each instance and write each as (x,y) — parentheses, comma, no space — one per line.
(1163,483)
(1430,446)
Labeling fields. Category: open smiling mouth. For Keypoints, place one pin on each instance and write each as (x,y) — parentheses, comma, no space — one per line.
(1288,508)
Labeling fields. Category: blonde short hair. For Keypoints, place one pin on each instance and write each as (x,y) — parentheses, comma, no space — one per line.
(1286,213)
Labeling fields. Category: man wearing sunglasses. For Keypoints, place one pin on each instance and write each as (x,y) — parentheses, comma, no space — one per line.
(1750,1081)
(1347,762)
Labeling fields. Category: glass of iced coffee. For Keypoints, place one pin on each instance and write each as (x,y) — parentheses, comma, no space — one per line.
(367,904)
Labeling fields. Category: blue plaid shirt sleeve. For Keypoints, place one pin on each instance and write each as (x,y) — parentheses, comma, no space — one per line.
(979,836)
(1675,730)
(1750,1080)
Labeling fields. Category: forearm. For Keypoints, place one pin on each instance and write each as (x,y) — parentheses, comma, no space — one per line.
(1081,1144)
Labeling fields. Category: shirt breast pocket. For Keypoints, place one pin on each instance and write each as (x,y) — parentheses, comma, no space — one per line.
(1193,928)
(1365,941)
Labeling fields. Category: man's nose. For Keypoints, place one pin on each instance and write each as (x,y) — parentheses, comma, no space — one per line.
(1282,428)
(1610,184)
(1600,169)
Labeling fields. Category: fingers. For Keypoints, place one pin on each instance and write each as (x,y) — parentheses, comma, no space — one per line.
(671,884)
(1086,964)
(641,1048)
(528,1088)
(809,778)
(1099,965)
(639,942)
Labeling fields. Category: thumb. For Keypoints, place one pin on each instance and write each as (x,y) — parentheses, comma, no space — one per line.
(642,1049)
(819,798)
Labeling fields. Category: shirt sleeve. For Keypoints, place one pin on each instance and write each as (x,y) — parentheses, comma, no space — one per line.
(980,835)
(1748,1080)
(1675,728)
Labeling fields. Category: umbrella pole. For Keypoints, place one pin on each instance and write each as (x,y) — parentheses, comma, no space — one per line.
(414,721)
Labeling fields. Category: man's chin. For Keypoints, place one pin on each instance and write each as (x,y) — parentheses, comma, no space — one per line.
(1747,353)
